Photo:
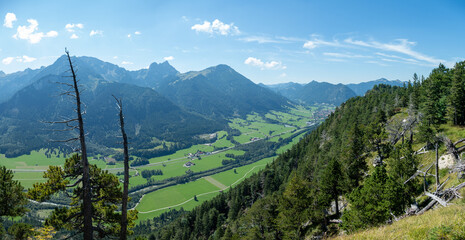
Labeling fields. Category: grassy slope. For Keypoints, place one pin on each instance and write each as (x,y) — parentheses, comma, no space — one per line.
(441,222)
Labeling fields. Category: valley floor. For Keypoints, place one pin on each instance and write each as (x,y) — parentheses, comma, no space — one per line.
(271,127)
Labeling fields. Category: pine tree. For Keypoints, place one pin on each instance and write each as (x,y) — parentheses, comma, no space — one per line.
(296,207)
(12,198)
(435,89)
(21,231)
(402,164)
(354,157)
(376,136)
(106,193)
(332,182)
(373,202)
(457,95)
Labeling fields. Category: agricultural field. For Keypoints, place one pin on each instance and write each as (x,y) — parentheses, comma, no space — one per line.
(182,195)
(273,126)
(173,168)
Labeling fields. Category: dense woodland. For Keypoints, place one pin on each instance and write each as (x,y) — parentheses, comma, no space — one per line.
(294,196)
(354,154)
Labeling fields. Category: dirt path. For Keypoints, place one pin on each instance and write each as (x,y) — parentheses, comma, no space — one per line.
(215,182)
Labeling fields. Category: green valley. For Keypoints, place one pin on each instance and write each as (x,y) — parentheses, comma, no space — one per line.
(273,127)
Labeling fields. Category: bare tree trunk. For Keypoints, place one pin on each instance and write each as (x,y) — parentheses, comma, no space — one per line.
(124,207)
(437,166)
(87,195)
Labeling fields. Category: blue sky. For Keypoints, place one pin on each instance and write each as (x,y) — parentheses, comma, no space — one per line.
(267,41)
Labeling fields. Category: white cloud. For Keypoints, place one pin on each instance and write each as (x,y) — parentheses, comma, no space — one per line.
(259,39)
(30,32)
(291,39)
(411,60)
(283,75)
(7,60)
(402,46)
(23,59)
(216,27)
(345,55)
(316,42)
(135,33)
(169,58)
(264,65)
(96,32)
(74,36)
(126,63)
(70,27)
(27,59)
(9,19)
(52,34)
(115,57)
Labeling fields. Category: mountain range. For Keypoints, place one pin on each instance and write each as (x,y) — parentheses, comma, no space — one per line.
(323,92)
(361,88)
(192,103)
(160,102)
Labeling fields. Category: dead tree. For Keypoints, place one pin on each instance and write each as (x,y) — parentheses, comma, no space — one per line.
(124,207)
(95,192)
(455,150)
(398,129)
(442,197)
(425,173)
(87,194)
(437,165)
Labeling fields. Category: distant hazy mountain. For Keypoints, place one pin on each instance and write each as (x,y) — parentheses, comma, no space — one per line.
(314,92)
(361,88)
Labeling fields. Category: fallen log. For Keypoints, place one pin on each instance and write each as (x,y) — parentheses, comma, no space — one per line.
(449,193)
(437,199)
(430,205)
(442,185)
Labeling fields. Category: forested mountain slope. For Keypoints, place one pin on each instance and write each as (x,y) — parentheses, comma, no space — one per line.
(221,92)
(161,103)
(11,83)
(149,114)
(293,198)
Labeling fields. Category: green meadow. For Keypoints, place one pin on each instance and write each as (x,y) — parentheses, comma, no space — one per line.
(182,195)
(273,126)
